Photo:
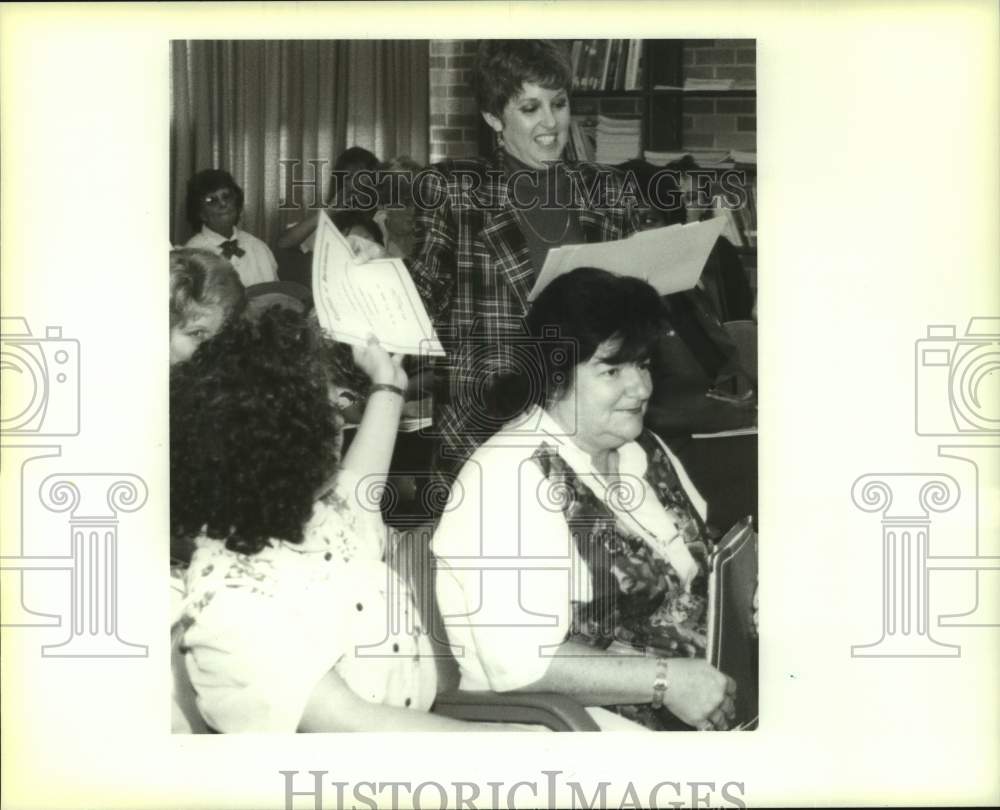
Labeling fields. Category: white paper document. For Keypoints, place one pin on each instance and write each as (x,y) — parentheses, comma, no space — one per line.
(670,259)
(357,299)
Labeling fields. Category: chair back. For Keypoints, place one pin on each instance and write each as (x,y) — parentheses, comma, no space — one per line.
(744,335)
(409,554)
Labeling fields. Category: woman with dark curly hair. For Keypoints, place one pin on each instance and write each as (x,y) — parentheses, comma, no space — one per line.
(286,595)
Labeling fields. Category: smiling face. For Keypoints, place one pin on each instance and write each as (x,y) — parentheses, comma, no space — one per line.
(605,406)
(220,211)
(186,337)
(534,125)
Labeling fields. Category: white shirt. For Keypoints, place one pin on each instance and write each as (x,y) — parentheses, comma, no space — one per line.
(264,629)
(508,568)
(256,266)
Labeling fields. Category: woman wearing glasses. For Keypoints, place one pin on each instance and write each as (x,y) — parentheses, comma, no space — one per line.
(214,207)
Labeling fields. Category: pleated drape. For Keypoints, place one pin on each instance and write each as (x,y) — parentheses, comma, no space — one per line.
(255,107)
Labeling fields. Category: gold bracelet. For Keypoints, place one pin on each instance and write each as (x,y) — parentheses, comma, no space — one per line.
(392,389)
(661,683)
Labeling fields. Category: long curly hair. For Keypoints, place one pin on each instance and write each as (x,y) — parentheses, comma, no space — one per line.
(253,435)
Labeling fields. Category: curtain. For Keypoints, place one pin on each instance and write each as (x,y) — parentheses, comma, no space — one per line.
(274,113)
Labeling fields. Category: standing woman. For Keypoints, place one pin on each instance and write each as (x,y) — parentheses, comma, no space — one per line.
(483,232)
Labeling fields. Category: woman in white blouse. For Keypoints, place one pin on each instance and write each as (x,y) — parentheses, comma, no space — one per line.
(286,601)
(572,555)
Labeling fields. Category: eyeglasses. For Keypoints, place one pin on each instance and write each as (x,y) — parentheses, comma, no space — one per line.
(219,198)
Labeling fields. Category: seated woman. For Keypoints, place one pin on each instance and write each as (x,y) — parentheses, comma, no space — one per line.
(608,599)
(286,605)
(344,195)
(214,207)
(205,295)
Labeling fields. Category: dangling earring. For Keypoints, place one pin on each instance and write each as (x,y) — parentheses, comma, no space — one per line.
(498,138)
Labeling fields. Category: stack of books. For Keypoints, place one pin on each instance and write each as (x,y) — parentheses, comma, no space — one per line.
(706,159)
(583,138)
(618,139)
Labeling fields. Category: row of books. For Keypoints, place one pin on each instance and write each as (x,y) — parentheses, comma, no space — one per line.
(606,64)
(703,85)
(706,159)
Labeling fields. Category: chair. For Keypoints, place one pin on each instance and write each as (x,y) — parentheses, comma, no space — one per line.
(744,335)
(409,554)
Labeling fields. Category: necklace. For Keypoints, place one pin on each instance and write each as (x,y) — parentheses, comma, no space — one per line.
(558,240)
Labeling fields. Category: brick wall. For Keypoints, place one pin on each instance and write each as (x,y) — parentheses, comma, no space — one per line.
(720,123)
(708,123)
(454,116)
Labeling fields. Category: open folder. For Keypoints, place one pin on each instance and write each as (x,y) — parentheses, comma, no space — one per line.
(732,640)
(356,299)
(670,258)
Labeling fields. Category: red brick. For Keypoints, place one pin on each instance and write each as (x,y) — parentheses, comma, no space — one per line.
(460,62)
(458,91)
(737,72)
(460,149)
(699,73)
(714,56)
(735,43)
(746,123)
(700,106)
(459,120)
(746,56)
(713,123)
(439,119)
(688,56)
(437,62)
(438,77)
(698,140)
(732,105)
(737,140)
(688,122)
(470,46)
(445,134)
(446,47)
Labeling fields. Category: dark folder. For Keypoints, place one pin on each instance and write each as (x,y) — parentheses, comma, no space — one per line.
(732,640)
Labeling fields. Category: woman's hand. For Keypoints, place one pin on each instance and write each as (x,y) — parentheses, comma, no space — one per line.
(699,694)
(380,367)
(365,249)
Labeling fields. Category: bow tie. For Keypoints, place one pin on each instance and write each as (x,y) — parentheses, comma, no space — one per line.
(231,248)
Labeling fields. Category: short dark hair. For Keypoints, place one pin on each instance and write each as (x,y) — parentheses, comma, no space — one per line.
(253,434)
(583,308)
(504,65)
(205,182)
(199,279)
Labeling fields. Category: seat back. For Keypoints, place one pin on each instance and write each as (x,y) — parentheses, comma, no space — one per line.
(744,335)
(408,552)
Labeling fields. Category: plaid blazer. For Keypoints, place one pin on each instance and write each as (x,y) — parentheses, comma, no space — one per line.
(473,270)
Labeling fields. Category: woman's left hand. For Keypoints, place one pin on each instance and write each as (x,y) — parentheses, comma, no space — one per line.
(381,367)
(365,250)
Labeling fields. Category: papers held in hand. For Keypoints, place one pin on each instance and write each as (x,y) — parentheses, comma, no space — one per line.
(670,258)
(356,299)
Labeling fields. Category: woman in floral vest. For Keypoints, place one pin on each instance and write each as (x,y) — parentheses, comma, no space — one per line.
(572,554)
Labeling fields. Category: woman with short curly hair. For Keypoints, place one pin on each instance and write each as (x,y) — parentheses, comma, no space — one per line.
(286,596)
(205,295)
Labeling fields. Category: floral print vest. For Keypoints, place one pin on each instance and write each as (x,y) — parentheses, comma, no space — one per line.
(638,598)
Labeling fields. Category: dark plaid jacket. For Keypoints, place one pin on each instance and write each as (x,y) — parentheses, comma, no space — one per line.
(473,270)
